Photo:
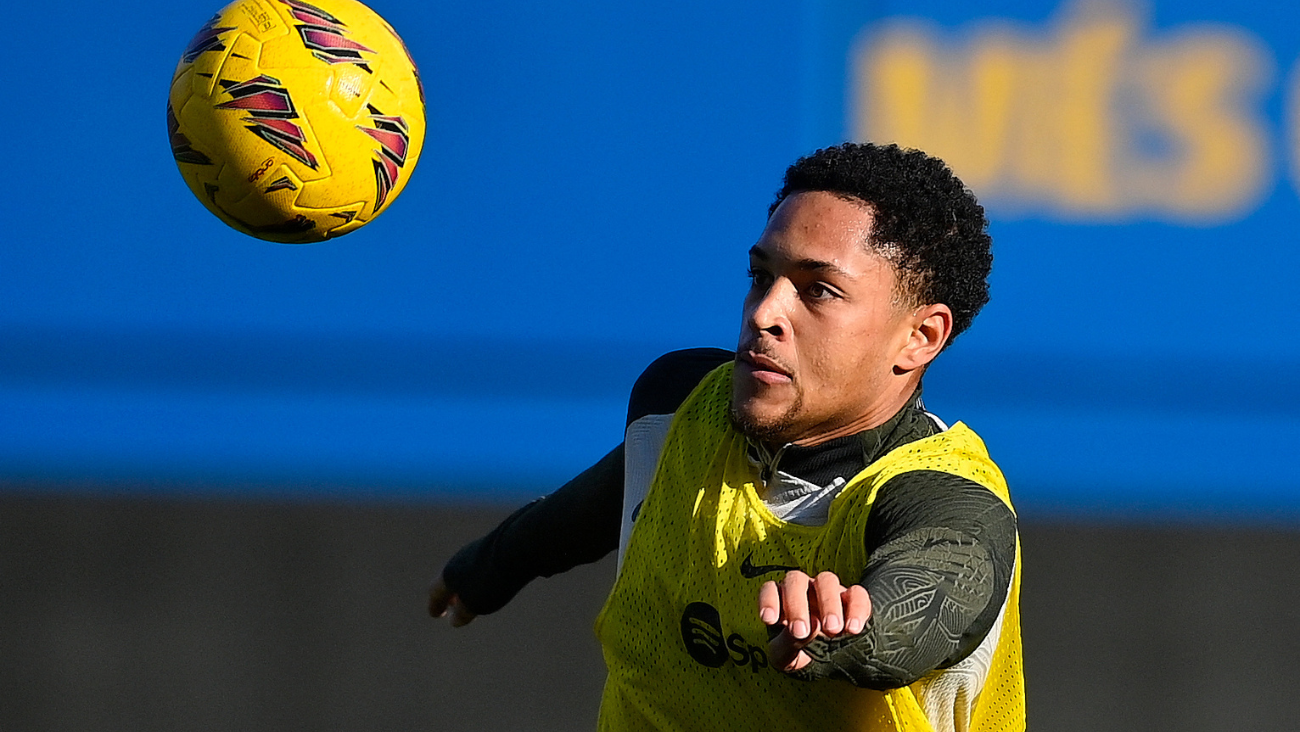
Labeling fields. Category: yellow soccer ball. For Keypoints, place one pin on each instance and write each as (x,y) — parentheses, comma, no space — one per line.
(294,121)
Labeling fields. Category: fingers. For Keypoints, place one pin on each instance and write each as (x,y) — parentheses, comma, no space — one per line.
(785,604)
(769,603)
(806,606)
(794,604)
(442,600)
(440,596)
(826,594)
(857,608)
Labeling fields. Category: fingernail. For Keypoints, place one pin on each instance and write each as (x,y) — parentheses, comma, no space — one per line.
(768,616)
(800,629)
(833,624)
(855,626)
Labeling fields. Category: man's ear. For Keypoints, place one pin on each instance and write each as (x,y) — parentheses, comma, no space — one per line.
(931,327)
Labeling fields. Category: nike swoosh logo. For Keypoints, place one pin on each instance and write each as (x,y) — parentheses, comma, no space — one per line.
(752,571)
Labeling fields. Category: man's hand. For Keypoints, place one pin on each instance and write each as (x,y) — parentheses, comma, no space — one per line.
(807,608)
(442,599)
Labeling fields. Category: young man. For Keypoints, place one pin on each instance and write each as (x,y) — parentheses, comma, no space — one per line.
(812,549)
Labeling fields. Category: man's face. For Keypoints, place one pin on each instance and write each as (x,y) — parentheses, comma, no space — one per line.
(821,327)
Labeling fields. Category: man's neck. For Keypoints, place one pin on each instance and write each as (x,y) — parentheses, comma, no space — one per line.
(881,413)
(846,455)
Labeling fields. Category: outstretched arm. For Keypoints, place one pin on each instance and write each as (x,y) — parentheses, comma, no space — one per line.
(942,550)
(577,524)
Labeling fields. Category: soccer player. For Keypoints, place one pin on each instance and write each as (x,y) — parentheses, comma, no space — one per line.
(802,546)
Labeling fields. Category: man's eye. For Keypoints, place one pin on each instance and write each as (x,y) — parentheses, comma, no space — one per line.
(759,278)
(819,291)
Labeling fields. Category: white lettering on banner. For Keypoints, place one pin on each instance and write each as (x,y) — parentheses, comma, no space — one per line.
(1084,120)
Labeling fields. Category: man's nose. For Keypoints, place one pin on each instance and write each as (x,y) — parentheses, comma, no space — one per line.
(770,313)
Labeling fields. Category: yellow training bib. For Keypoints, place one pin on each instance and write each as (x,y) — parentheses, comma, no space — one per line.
(683,643)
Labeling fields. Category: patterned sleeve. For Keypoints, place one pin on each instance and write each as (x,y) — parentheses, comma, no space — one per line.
(942,550)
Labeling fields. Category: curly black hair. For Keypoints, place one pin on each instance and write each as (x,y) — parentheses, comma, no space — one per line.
(926,222)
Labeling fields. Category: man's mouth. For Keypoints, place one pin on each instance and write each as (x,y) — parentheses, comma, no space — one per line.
(764,368)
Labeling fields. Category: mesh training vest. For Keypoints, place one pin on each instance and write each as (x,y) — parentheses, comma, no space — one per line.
(682,640)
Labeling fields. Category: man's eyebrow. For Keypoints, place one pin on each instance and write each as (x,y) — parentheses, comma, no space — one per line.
(806,265)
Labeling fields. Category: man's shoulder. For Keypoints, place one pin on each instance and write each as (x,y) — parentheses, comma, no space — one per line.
(949,458)
(666,382)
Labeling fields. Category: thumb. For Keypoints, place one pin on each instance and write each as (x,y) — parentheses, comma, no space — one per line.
(785,652)
(440,596)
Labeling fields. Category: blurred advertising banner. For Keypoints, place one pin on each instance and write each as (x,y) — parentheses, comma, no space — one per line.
(592,178)
(1140,164)
(1089,116)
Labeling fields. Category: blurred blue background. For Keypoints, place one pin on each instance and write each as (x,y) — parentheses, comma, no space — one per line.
(592,178)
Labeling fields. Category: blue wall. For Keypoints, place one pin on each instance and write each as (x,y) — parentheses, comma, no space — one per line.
(592,177)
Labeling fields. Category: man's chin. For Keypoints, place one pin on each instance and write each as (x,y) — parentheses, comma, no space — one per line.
(763,428)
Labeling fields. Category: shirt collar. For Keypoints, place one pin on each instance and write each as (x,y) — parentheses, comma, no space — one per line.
(844,457)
